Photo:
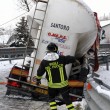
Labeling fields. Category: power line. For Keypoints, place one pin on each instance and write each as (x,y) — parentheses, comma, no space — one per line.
(13,19)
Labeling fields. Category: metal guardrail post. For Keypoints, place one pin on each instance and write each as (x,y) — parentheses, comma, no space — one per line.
(105,60)
(107,63)
(9,58)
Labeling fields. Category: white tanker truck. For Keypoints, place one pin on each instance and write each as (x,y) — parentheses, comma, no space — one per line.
(73,26)
(69,24)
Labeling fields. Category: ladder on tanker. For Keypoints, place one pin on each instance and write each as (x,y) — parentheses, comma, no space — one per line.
(38,35)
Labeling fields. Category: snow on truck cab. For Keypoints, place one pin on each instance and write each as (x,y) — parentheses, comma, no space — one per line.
(75,31)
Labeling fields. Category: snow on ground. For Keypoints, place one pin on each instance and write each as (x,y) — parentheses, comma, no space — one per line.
(5,67)
(104,74)
(104,23)
(4,38)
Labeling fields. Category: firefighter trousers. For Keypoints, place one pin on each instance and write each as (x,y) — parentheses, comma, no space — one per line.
(53,92)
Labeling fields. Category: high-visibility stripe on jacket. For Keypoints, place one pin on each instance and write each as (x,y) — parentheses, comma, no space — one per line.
(63,82)
(55,71)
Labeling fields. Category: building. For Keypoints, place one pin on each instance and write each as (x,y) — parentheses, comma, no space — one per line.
(105,33)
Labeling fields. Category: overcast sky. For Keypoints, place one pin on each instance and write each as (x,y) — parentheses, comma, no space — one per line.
(100,6)
(9,9)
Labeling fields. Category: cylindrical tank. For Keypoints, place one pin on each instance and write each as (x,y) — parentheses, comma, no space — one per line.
(68,23)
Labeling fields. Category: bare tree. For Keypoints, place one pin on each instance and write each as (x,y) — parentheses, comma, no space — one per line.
(25,4)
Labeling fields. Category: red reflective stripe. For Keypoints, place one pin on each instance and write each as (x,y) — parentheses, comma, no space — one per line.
(89,87)
(15,84)
(3,83)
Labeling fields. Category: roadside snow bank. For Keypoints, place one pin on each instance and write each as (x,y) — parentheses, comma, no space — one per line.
(103,91)
(104,75)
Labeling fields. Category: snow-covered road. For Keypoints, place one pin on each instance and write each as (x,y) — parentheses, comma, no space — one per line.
(18,103)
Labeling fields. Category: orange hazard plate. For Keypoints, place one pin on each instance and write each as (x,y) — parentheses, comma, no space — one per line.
(19,72)
(75,83)
(41,91)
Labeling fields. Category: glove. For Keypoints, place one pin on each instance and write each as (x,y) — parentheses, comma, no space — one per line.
(38,81)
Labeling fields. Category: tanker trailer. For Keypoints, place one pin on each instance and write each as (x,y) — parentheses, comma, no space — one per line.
(74,31)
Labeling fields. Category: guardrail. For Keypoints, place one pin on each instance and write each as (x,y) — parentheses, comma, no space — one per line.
(104,48)
(104,55)
(13,53)
(104,60)
(97,94)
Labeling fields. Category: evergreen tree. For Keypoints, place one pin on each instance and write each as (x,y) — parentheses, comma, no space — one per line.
(22,34)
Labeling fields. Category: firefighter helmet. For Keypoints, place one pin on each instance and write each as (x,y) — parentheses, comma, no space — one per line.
(52,47)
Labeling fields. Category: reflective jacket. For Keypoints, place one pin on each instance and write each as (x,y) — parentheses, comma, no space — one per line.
(54,66)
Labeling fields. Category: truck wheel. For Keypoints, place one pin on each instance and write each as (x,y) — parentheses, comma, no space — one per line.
(8,91)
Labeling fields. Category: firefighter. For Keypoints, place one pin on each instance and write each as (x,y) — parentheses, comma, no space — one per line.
(54,66)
